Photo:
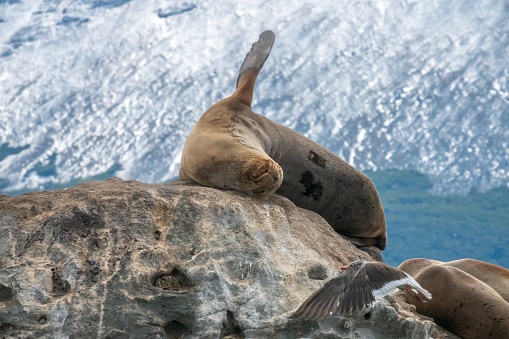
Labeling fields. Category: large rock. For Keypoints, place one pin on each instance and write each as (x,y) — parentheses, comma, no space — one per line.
(123,259)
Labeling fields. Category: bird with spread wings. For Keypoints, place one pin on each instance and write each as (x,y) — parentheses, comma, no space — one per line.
(357,286)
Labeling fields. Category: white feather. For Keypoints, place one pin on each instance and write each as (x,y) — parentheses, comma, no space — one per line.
(393,286)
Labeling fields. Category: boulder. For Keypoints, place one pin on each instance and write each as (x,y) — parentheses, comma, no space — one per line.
(124,259)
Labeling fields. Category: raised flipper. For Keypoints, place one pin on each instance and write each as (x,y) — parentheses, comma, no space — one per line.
(251,66)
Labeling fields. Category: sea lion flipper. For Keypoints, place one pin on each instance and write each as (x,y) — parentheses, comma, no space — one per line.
(252,65)
(258,54)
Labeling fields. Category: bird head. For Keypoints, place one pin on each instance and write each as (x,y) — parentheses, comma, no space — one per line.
(356,265)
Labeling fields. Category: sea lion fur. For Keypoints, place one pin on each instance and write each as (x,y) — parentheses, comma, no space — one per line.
(461,303)
(231,147)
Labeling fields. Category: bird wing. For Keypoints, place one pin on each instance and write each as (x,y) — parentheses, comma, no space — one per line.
(351,291)
(357,294)
(384,279)
(373,280)
(326,300)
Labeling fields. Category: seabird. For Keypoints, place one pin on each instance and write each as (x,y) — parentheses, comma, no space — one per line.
(357,286)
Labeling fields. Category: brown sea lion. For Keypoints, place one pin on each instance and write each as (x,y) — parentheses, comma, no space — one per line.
(461,303)
(494,276)
(414,266)
(231,147)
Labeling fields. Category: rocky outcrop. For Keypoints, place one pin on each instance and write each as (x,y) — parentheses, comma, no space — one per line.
(123,259)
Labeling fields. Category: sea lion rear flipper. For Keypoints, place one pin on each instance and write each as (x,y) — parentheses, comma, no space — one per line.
(252,65)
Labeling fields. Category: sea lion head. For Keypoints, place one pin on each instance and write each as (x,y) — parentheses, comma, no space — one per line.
(358,211)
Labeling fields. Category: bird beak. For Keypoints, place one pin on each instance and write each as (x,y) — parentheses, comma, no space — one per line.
(344,268)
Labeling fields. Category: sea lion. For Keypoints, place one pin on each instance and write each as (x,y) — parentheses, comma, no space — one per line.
(461,303)
(231,147)
(494,276)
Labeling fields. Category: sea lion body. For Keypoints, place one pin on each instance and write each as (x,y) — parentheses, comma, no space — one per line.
(496,277)
(231,147)
(461,303)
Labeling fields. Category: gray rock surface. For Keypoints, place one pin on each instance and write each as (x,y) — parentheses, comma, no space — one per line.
(123,259)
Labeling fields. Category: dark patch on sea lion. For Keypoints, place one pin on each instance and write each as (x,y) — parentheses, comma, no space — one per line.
(313,189)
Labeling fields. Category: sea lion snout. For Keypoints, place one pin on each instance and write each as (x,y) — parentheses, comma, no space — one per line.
(382,241)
